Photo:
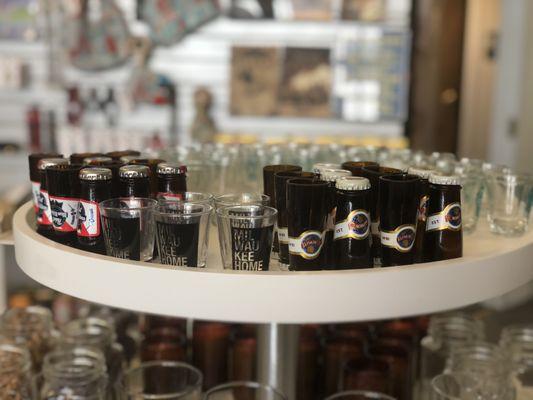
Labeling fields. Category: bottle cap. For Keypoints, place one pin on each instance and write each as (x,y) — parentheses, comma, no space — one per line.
(352,183)
(332,174)
(166,168)
(318,167)
(444,179)
(96,174)
(50,162)
(99,159)
(422,172)
(134,171)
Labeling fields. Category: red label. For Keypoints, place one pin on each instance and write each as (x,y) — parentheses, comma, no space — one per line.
(88,219)
(170,196)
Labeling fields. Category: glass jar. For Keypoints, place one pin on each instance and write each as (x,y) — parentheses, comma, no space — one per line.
(446,332)
(488,363)
(517,342)
(15,372)
(32,328)
(77,373)
(97,334)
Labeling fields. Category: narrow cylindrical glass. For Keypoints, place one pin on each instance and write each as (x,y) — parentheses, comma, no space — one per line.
(243,390)
(182,233)
(128,225)
(246,234)
(161,380)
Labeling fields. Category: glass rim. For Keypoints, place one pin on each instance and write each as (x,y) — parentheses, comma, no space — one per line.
(207,197)
(244,384)
(207,208)
(166,364)
(440,392)
(221,212)
(106,204)
(365,393)
(221,197)
(510,177)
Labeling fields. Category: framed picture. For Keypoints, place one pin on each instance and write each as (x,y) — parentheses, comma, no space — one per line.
(306,83)
(255,80)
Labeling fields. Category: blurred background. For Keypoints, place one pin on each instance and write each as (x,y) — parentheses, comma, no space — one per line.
(430,75)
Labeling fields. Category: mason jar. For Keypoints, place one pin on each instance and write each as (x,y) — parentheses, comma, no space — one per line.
(15,372)
(517,342)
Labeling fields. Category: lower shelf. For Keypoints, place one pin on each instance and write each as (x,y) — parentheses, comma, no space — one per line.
(491,266)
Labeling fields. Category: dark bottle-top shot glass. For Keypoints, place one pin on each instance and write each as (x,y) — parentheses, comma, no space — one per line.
(356,167)
(398,204)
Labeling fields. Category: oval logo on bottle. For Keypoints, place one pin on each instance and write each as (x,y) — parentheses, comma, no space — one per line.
(405,238)
(311,245)
(359,224)
(453,216)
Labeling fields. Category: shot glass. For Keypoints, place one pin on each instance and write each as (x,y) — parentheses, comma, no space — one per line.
(246,234)
(128,225)
(188,197)
(235,199)
(508,198)
(161,380)
(243,390)
(182,233)
(359,395)
(471,196)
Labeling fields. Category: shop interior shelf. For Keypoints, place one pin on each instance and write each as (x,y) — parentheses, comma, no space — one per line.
(492,265)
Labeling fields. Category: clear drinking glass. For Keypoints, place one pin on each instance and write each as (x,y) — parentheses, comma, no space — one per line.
(359,395)
(508,198)
(455,386)
(246,234)
(182,233)
(517,342)
(471,196)
(235,199)
(161,380)
(243,390)
(446,332)
(189,197)
(128,225)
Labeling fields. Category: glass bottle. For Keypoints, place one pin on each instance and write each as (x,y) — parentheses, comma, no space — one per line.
(97,334)
(517,342)
(15,372)
(446,332)
(30,327)
(76,373)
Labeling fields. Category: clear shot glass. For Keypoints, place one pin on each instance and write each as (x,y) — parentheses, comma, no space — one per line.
(182,233)
(128,225)
(509,203)
(161,380)
(246,234)
(243,390)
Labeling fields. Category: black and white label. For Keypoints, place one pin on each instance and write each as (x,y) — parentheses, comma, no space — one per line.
(177,244)
(251,247)
(88,219)
(44,217)
(449,218)
(355,226)
(64,211)
(308,245)
(401,239)
(122,237)
(283,235)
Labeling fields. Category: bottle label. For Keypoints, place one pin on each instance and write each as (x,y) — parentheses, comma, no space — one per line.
(170,196)
(64,212)
(449,218)
(44,217)
(422,213)
(35,191)
(88,219)
(401,239)
(283,235)
(374,228)
(308,245)
(355,226)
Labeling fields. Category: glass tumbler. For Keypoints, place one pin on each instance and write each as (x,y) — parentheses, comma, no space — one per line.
(182,233)
(189,197)
(455,386)
(471,196)
(161,380)
(517,342)
(243,390)
(359,395)
(246,234)
(235,199)
(128,225)
(508,198)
